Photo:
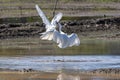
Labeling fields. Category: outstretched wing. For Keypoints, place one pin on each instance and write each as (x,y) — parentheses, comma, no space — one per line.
(73,40)
(56,18)
(47,35)
(57,37)
(42,15)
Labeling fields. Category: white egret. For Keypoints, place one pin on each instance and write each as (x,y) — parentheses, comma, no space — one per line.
(51,33)
(65,40)
(50,27)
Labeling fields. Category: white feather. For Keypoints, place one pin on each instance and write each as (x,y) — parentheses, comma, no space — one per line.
(47,35)
(43,16)
(62,39)
(56,18)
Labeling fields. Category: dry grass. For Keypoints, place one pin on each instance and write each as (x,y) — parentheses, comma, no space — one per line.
(20,8)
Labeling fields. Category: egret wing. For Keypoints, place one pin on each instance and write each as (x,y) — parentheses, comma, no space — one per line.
(61,39)
(57,37)
(47,35)
(74,40)
(42,15)
(64,41)
(56,18)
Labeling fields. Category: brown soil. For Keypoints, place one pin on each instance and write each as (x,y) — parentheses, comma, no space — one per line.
(86,27)
(36,75)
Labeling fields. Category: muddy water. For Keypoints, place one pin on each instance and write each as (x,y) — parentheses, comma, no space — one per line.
(35,46)
(32,53)
(55,64)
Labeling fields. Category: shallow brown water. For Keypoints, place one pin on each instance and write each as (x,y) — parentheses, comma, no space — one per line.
(35,46)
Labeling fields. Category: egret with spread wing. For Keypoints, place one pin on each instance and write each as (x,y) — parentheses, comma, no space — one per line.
(50,27)
(62,39)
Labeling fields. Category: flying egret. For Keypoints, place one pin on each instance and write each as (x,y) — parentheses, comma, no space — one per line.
(62,39)
(50,27)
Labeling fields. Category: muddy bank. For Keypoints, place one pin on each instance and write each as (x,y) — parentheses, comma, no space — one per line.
(15,30)
(72,71)
(107,71)
(64,75)
(28,76)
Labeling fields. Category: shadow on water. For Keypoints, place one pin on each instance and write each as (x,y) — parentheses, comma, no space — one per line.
(35,46)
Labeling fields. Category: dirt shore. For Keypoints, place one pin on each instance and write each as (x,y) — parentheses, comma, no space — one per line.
(100,28)
(38,75)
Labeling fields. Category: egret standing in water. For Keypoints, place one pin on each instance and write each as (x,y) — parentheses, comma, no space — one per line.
(58,36)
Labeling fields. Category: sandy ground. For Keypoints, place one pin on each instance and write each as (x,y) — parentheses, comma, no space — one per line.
(27,76)
(13,75)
